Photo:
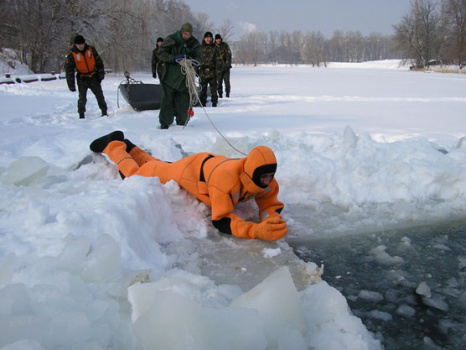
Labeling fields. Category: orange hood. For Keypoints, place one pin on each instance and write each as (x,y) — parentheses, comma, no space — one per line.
(260,160)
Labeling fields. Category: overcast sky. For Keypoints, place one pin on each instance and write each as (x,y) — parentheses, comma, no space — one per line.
(306,15)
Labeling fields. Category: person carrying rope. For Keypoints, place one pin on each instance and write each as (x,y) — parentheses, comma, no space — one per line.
(177,47)
(216,180)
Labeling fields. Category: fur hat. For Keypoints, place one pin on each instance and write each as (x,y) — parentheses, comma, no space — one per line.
(159,39)
(217,36)
(208,35)
(187,27)
(79,39)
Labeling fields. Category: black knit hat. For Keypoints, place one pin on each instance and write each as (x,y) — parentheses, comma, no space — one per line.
(159,39)
(217,36)
(208,35)
(79,39)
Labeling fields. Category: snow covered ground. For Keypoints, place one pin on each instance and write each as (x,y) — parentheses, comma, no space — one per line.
(88,261)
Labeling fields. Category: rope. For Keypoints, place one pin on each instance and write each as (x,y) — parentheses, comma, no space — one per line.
(188,69)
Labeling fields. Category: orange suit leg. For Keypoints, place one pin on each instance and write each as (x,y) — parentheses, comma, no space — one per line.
(139,162)
(116,151)
(140,156)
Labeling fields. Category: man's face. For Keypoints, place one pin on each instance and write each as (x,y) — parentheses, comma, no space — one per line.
(208,40)
(218,41)
(80,46)
(159,43)
(266,179)
(185,35)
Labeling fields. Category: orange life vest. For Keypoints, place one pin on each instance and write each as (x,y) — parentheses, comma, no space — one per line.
(85,62)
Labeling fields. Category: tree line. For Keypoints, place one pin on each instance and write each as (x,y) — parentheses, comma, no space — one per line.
(125,31)
(312,48)
(433,32)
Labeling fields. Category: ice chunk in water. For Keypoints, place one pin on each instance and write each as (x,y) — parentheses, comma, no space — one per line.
(371,296)
(382,257)
(423,289)
(405,310)
(436,303)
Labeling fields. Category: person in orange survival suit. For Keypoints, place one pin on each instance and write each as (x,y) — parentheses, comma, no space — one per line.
(216,180)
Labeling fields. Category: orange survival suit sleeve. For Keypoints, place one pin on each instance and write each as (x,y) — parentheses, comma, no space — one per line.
(225,194)
(267,201)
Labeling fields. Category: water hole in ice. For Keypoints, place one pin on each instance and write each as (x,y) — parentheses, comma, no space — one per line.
(406,285)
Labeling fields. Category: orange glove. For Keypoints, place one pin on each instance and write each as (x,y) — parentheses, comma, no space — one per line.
(271,229)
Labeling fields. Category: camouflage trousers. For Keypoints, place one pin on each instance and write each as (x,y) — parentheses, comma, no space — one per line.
(212,82)
(224,77)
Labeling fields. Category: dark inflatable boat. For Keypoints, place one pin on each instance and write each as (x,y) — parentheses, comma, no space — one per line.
(140,96)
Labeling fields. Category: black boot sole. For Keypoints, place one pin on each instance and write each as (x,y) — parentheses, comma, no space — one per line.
(98,145)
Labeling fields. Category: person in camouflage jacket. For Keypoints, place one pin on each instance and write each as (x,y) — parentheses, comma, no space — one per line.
(157,65)
(207,70)
(223,66)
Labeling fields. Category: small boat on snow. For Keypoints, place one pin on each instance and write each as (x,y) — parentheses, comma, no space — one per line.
(140,96)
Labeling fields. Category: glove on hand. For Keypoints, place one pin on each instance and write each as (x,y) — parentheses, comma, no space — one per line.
(179,57)
(271,229)
(73,89)
(154,75)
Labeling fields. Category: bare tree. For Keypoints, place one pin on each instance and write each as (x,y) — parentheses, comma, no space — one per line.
(314,49)
(285,52)
(202,25)
(337,47)
(419,35)
(456,12)
(273,47)
(226,29)
(35,30)
(251,48)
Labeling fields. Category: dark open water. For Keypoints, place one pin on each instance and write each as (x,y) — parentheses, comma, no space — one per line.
(381,289)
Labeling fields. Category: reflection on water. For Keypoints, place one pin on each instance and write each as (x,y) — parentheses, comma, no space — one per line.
(407,286)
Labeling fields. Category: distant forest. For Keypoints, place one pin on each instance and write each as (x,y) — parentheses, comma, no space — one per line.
(40,33)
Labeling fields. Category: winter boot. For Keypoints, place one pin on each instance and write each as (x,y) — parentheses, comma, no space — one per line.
(98,145)
(140,156)
(129,145)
